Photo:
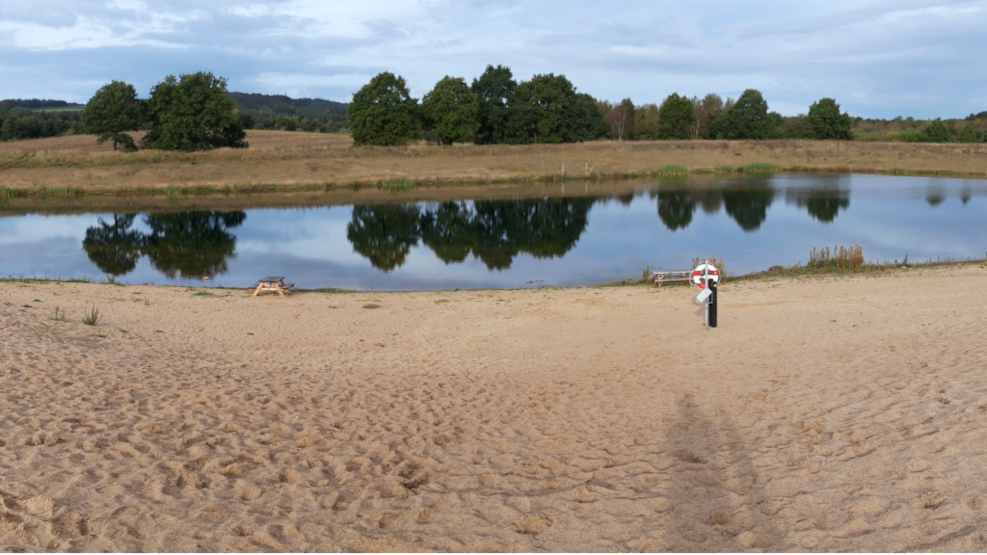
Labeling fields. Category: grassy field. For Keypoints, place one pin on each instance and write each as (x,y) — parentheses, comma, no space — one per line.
(277,160)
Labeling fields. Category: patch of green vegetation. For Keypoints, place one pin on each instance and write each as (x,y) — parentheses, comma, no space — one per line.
(37,300)
(158,331)
(58,192)
(723,169)
(758,167)
(173,190)
(59,315)
(335,290)
(902,171)
(92,317)
(371,305)
(204,294)
(441,301)
(123,330)
(672,171)
(624,283)
(5,192)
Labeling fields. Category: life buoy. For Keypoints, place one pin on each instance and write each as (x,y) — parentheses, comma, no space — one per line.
(705,271)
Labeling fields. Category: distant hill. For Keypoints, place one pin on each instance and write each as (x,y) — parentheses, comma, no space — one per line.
(281,105)
(36,103)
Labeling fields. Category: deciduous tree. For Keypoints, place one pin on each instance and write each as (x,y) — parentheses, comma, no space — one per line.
(828,123)
(112,111)
(191,113)
(383,113)
(493,90)
(452,110)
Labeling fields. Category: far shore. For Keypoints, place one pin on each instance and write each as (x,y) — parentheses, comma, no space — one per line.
(279,161)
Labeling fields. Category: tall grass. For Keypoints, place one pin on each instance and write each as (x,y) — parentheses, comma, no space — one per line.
(672,170)
(758,167)
(840,257)
(5,192)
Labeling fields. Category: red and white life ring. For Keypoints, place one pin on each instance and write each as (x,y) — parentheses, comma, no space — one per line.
(705,271)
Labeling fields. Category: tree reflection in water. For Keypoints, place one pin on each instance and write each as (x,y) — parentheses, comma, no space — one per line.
(493,231)
(748,204)
(184,244)
(675,208)
(824,200)
(384,233)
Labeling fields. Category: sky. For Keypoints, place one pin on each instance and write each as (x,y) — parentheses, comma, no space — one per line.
(877,58)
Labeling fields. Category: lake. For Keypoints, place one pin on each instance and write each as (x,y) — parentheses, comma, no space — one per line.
(555,234)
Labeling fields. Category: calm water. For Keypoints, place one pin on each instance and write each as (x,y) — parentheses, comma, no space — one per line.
(751,223)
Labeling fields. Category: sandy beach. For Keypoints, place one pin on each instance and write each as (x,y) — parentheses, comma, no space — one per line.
(823,414)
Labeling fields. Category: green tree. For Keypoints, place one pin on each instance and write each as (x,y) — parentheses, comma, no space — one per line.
(548,109)
(708,109)
(745,119)
(383,113)
(193,113)
(828,123)
(453,110)
(113,110)
(797,127)
(937,132)
(970,134)
(676,118)
(586,122)
(493,90)
(645,122)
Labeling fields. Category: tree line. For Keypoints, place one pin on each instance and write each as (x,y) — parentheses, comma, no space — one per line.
(495,108)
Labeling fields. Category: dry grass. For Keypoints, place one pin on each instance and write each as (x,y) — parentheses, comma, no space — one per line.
(278,160)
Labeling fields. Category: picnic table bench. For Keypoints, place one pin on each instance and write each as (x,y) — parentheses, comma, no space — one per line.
(662,276)
(272,283)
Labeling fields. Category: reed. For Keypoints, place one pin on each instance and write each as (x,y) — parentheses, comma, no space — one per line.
(759,167)
(672,170)
(840,257)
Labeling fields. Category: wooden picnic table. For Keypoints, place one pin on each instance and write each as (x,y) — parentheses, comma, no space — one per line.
(273,283)
(660,277)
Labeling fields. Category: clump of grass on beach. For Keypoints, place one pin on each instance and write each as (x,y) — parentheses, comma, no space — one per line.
(371,305)
(92,316)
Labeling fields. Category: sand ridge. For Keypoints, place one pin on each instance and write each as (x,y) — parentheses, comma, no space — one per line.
(822,414)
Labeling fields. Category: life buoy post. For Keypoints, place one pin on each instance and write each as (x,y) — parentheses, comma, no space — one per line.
(707,277)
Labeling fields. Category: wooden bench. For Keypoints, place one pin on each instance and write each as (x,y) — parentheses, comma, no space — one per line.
(661,276)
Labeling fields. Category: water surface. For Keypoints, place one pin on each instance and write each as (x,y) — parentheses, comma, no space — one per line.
(545,236)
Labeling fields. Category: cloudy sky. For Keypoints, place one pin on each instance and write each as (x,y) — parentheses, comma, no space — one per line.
(877,58)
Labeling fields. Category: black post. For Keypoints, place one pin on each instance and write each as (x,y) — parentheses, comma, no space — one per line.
(712,304)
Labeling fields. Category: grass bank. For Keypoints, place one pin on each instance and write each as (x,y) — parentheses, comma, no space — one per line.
(276,161)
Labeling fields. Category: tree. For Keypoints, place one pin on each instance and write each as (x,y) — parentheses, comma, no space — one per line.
(645,122)
(937,132)
(707,109)
(453,110)
(113,110)
(619,118)
(970,134)
(193,113)
(548,109)
(745,119)
(493,90)
(586,123)
(797,127)
(383,113)
(828,123)
(676,118)
(748,205)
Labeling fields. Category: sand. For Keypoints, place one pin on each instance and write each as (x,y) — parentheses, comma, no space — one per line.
(822,414)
